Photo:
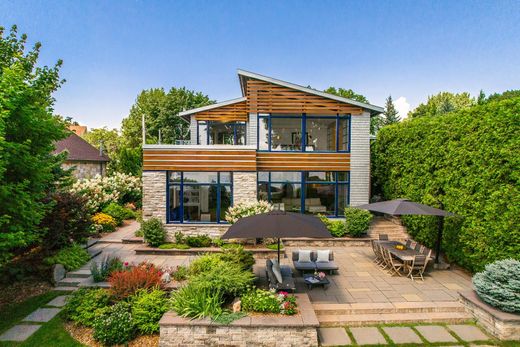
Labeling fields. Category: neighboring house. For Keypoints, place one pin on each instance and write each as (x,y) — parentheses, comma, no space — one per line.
(86,159)
(253,148)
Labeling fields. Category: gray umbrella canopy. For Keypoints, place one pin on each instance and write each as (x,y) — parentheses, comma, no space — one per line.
(401,207)
(277,224)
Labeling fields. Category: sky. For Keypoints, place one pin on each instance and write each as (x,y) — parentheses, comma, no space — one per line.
(114,49)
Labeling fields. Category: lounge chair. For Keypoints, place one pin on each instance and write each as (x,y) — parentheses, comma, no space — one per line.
(287,283)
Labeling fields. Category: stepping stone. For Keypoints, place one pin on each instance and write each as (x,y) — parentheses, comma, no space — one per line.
(58,301)
(435,333)
(402,335)
(368,336)
(468,332)
(333,337)
(19,332)
(42,315)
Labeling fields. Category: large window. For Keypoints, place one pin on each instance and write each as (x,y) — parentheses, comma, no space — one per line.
(306,192)
(306,133)
(199,197)
(218,133)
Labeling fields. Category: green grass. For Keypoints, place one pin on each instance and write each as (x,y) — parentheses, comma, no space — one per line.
(174,246)
(51,334)
(274,246)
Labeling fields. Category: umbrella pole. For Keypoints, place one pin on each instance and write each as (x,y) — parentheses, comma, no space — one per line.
(278,250)
(440,226)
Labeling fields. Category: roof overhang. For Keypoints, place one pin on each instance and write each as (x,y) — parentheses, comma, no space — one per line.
(212,106)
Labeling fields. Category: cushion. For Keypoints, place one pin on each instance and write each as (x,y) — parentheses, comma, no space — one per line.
(323,256)
(276,270)
(304,256)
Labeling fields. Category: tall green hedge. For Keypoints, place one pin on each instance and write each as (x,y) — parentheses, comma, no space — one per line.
(467,162)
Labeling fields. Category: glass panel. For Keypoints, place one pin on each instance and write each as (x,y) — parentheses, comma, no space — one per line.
(262,191)
(342,198)
(175,203)
(263,134)
(286,176)
(343,134)
(286,196)
(263,176)
(221,133)
(225,201)
(200,203)
(202,133)
(241,133)
(175,177)
(321,134)
(316,176)
(286,134)
(319,198)
(225,177)
(200,177)
(342,176)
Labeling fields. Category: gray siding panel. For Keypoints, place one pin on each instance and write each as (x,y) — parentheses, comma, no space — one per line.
(360,159)
(193,130)
(252,126)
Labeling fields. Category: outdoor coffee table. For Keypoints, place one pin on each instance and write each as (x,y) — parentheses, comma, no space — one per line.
(309,281)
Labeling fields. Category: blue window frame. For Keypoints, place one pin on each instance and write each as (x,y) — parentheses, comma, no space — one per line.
(198,197)
(232,133)
(323,192)
(333,135)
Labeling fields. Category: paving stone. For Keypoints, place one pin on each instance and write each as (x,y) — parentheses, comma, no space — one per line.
(58,301)
(368,336)
(19,332)
(435,333)
(333,337)
(468,332)
(42,315)
(402,335)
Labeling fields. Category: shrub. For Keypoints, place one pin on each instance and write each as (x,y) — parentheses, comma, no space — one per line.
(153,232)
(258,300)
(72,258)
(241,210)
(181,273)
(147,309)
(179,238)
(107,223)
(118,212)
(357,221)
(108,265)
(229,279)
(115,325)
(499,285)
(173,246)
(197,303)
(274,246)
(86,304)
(205,263)
(336,227)
(67,222)
(126,283)
(198,241)
(237,255)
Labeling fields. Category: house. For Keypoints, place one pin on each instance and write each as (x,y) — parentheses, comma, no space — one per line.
(301,149)
(86,159)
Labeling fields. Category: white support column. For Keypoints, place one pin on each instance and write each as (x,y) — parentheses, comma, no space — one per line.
(193,130)
(360,159)
(252,126)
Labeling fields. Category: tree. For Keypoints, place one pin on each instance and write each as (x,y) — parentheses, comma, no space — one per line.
(391,115)
(161,112)
(109,138)
(375,121)
(28,131)
(443,103)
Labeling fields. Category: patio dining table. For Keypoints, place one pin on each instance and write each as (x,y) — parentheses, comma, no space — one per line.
(404,255)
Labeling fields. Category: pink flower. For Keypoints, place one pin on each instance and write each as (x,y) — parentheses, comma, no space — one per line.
(126,263)
(283,293)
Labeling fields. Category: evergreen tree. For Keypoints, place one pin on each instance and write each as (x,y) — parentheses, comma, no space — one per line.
(391,115)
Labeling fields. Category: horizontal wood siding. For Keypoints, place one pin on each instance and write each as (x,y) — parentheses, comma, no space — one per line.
(284,161)
(230,113)
(264,97)
(199,160)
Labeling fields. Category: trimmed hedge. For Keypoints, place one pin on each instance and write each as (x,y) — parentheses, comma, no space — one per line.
(466,162)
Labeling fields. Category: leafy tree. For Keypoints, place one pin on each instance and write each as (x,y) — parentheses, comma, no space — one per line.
(508,94)
(391,115)
(28,131)
(375,121)
(161,112)
(109,138)
(443,103)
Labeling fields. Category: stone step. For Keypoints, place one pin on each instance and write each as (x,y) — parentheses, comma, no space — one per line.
(387,318)
(94,252)
(135,239)
(65,289)
(70,282)
(397,307)
(82,273)
(90,243)
(110,241)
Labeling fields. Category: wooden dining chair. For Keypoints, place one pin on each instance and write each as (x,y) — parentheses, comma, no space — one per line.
(378,257)
(418,247)
(383,237)
(417,267)
(396,265)
(408,243)
(386,263)
(421,249)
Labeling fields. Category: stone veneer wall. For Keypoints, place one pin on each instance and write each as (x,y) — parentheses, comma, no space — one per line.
(244,187)
(85,169)
(154,195)
(503,325)
(360,159)
(258,330)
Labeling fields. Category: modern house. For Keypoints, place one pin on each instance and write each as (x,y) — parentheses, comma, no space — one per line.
(301,149)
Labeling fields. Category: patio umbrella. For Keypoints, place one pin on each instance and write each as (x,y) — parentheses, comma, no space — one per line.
(401,207)
(277,224)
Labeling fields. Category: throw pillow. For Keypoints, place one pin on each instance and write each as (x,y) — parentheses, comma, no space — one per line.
(277,271)
(304,256)
(323,256)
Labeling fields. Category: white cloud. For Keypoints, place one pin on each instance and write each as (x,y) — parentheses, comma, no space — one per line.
(402,106)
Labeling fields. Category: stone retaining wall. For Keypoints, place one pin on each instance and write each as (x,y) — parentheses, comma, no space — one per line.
(503,325)
(330,242)
(257,330)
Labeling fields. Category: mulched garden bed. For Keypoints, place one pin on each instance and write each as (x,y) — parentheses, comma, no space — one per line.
(84,336)
(17,292)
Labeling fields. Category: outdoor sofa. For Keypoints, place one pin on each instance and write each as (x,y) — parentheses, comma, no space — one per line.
(287,283)
(313,264)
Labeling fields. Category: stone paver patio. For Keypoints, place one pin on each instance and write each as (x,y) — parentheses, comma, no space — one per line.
(402,335)
(19,332)
(42,315)
(435,333)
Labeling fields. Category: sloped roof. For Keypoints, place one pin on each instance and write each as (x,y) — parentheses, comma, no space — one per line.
(78,129)
(79,150)
(212,106)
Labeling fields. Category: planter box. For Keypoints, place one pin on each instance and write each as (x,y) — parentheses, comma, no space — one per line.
(503,325)
(258,253)
(256,330)
(328,242)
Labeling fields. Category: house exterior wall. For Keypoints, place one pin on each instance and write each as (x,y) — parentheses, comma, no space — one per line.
(360,159)
(252,129)
(85,169)
(193,131)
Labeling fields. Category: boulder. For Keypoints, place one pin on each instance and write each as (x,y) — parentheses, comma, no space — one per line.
(58,273)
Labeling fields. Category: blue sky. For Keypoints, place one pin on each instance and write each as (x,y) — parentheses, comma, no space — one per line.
(409,49)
